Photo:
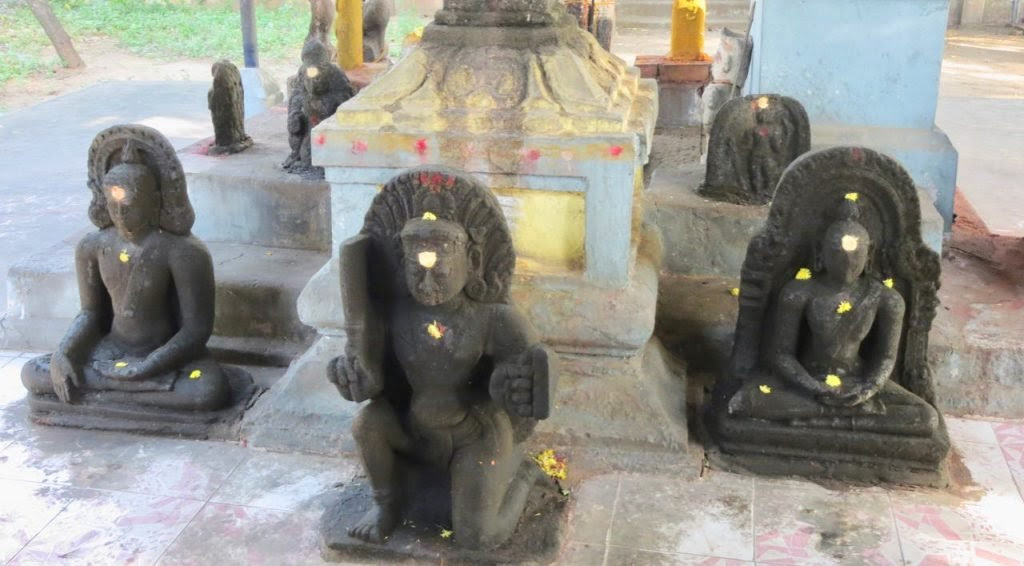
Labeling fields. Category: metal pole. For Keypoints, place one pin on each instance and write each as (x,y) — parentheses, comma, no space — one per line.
(250,49)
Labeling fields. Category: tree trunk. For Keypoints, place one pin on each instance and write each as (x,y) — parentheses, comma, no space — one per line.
(51,25)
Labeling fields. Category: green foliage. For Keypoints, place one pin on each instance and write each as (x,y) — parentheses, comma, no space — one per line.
(401,25)
(159,28)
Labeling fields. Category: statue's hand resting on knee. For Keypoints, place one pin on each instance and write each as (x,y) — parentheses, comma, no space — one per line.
(65,375)
(352,379)
(522,384)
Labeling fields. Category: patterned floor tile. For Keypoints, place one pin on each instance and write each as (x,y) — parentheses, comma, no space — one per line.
(1011,442)
(174,468)
(581,554)
(990,472)
(289,482)
(970,430)
(27,508)
(110,528)
(11,389)
(225,534)
(706,517)
(804,523)
(63,456)
(593,502)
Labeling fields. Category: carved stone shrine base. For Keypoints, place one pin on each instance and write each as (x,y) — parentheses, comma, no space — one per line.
(769,448)
(537,538)
(91,412)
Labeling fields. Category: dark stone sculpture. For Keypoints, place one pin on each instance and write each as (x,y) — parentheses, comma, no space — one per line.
(829,373)
(455,376)
(753,140)
(376,15)
(226,100)
(314,95)
(135,357)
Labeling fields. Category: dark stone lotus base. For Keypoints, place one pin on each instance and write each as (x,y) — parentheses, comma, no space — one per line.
(91,413)
(767,448)
(536,540)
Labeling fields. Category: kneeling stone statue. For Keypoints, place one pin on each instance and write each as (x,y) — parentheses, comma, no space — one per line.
(456,378)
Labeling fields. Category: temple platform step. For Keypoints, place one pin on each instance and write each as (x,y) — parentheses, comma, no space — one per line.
(257,287)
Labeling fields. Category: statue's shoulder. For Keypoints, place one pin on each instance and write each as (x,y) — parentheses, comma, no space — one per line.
(94,241)
(184,248)
(889,296)
(797,291)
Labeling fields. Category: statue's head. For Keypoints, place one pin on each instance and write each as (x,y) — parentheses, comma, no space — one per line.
(315,63)
(133,201)
(844,250)
(436,260)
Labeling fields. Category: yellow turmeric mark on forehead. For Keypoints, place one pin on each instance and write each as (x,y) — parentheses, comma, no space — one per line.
(850,243)
(312,72)
(124,256)
(117,193)
(762,102)
(427,259)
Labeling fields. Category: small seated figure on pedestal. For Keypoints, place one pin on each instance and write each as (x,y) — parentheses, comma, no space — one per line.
(147,295)
(829,373)
(313,96)
(455,377)
(226,100)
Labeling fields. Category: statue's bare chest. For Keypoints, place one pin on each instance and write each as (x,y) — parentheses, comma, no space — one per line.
(437,348)
(140,273)
(847,315)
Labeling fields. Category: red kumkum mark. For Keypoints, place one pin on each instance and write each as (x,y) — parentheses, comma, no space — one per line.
(857,154)
(321,139)
(421,147)
(359,147)
(615,150)
(533,155)
(762,131)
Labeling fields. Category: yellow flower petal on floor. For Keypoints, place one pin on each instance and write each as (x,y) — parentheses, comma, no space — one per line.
(552,465)
(844,307)
(832,380)
(735,291)
(446,534)
(803,274)
(888,283)
(765,389)
(196,374)
(123,256)
(852,197)
(121,365)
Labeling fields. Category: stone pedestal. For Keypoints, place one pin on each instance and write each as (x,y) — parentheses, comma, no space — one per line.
(873,84)
(680,84)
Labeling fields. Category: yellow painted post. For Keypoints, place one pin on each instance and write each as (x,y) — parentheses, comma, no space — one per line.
(688,30)
(348,28)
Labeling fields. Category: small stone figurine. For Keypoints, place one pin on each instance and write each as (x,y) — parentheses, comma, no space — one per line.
(138,346)
(455,376)
(753,139)
(829,371)
(376,15)
(314,95)
(226,100)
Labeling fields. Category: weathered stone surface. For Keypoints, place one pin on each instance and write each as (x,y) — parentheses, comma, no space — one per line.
(226,100)
(844,229)
(753,140)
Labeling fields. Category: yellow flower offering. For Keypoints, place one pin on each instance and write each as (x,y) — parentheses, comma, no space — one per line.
(121,365)
(852,197)
(888,283)
(123,256)
(436,330)
(446,534)
(765,389)
(844,307)
(429,216)
(552,465)
(196,374)
(803,274)
(832,380)
(735,291)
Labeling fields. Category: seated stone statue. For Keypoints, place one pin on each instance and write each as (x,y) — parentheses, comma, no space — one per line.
(828,374)
(455,377)
(146,287)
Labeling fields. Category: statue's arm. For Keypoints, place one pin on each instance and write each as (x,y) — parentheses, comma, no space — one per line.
(790,312)
(524,377)
(888,329)
(93,321)
(192,270)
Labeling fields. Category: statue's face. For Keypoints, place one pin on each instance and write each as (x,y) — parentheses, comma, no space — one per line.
(132,199)
(845,250)
(436,263)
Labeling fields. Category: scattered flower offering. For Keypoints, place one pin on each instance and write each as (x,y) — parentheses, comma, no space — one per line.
(446,534)
(852,197)
(888,283)
(123,256)
(553,465)
(844,307)
(121,364)
(832,380)
(429,216)
(735,291)
(196,374)
(803,274)
(436,330)
(766,389)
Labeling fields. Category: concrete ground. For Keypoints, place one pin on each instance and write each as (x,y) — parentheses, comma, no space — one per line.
(83,497)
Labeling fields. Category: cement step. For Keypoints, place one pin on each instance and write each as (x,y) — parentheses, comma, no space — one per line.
(257,287)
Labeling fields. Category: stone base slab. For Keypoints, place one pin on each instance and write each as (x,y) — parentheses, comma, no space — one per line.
(536,540)
(93,415)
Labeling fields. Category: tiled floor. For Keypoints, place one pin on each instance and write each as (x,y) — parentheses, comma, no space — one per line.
(78,497)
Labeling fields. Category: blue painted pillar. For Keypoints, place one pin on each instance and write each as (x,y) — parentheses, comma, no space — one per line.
(868,73)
